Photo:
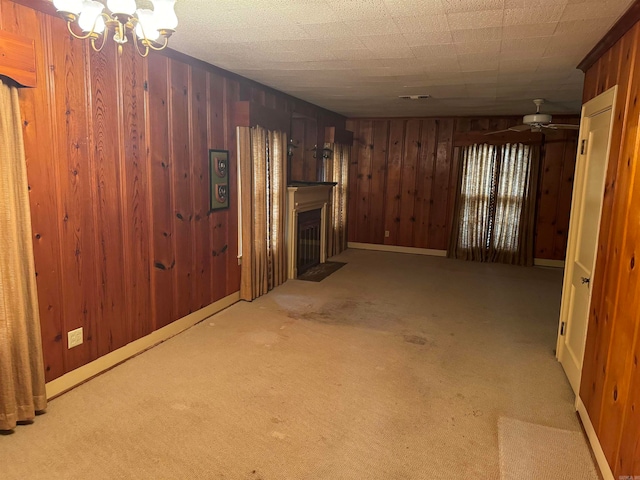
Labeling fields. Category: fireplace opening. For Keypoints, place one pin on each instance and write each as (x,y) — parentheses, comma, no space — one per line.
(308,248)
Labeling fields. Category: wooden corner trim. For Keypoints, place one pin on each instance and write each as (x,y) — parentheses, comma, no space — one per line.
(615,33)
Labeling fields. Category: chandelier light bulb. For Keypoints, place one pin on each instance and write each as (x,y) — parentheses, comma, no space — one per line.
(124,7)
(90,16)
(69,6)
(146,25)
(165,15)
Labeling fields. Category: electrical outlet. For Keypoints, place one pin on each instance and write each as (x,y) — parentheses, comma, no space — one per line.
(75,337)
(386,233)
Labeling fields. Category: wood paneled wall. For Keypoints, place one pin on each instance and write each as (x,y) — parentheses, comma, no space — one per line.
(117,158)
(404,172)
(610,387)
(305,136)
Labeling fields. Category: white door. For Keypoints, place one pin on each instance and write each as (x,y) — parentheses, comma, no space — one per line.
(586,209)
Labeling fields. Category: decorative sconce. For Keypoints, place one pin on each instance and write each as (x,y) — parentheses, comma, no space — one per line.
(149,29)
(326,152)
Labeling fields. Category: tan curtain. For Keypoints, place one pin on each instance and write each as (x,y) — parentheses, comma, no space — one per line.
(496,204)
(263,189)
(336,169)
(22,385)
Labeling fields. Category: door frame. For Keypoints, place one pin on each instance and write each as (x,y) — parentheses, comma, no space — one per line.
(604,101)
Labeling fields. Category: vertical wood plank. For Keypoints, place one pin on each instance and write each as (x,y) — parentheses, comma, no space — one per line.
(113,331)
(218,219)
(353,126)
(136,194)
(408,191)
(550,182)
(201,186)
(376,182)
(394,179)
(311,157)
(590,87)
(425,178)
(161,191)
(182,211)
(563,209)
(364,148)
(76,187)
(438,238)
(298,127)
(628,456)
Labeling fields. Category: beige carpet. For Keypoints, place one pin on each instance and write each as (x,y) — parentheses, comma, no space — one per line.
(394,367)
(529,452)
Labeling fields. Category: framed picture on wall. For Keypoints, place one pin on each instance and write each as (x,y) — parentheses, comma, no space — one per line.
(219,179)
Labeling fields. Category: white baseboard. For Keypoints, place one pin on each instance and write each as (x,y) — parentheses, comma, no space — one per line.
(80,375)
(543,262)
(607,474)
(397,249)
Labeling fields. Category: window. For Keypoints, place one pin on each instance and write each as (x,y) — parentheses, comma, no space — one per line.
(494,188)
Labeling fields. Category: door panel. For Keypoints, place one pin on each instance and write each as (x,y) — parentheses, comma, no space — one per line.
(591,167)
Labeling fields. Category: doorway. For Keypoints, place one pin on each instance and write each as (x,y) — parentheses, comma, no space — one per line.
(591,167)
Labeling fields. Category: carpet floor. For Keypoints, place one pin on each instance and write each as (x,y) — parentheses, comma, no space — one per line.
(394,367)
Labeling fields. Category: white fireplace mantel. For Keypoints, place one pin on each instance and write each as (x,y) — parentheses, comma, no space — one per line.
(303,198)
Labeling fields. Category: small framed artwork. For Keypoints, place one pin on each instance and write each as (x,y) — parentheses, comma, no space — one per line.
(219,178)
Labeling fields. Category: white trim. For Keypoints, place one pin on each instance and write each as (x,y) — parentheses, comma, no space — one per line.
(601,459)
(239,195)
(543,262)
(90,370)
(397,249)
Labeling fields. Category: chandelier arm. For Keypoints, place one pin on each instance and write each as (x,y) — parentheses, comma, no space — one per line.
(137,40)
(162,47)
(80,36)
(140,52)
(93,43)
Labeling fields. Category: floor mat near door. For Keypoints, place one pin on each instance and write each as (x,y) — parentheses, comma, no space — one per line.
(536,452)
(321,271)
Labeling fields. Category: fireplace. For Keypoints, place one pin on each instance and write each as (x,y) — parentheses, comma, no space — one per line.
(308,242)
(307,225)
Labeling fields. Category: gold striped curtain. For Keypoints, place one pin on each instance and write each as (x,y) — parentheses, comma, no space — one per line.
(22,385)
(336,169)
(495,211)
(263,186)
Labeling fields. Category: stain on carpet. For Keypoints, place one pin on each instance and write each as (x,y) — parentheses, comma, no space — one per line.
(415,339)
(350,313)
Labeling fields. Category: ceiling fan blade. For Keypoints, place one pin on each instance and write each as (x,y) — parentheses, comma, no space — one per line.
(562,126)
(520,128)
(497,131)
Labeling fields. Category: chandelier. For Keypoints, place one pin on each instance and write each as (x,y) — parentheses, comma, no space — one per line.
(148,29)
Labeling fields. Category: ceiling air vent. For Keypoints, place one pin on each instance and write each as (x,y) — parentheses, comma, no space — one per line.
(414,97)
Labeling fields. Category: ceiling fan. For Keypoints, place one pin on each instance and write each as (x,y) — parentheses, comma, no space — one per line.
(537,122)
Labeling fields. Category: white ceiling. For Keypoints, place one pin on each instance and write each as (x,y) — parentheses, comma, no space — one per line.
(474,57)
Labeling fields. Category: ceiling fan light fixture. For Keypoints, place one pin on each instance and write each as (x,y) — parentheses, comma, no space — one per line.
(414,97)
(536,118)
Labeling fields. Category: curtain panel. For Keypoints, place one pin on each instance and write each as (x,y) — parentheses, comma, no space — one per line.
(263,190)
(495,205)
(22,384)
(336,169)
